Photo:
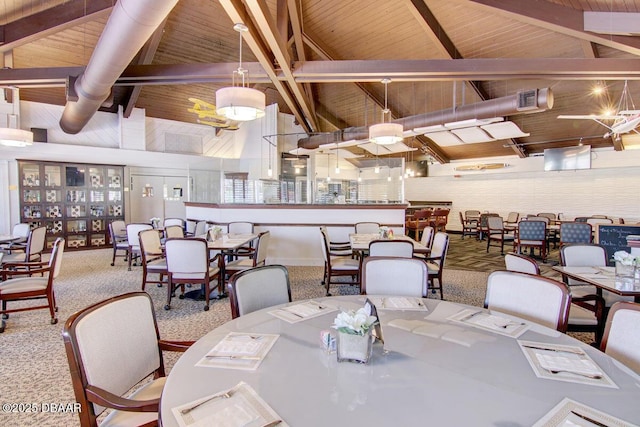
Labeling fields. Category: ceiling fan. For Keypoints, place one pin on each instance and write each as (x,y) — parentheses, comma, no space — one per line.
(625,120)
(207,115)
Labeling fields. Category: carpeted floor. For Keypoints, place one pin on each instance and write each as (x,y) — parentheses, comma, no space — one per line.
(33,361)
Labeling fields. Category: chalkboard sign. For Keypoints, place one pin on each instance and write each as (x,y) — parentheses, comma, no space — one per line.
(614,237)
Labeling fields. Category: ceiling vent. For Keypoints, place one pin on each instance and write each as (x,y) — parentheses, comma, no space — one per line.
(527,100)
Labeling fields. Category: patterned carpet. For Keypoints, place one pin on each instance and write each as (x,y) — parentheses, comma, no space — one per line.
(34,367)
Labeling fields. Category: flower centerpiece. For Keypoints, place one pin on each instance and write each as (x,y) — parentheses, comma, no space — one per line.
(354,343)
(215,233)
(625,264)
(155,222)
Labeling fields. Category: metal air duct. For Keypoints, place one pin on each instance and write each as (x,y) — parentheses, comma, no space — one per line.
(129,27)
(530,101)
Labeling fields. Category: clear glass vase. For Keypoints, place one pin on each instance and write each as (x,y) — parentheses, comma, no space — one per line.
(354,348)
(625,271)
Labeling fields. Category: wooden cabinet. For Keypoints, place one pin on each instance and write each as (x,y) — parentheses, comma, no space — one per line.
(74,201)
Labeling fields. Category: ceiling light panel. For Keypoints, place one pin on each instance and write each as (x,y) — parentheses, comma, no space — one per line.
(504,130)
(472,135)
(444,138)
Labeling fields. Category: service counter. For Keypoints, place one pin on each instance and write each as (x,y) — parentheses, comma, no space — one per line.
(295,234)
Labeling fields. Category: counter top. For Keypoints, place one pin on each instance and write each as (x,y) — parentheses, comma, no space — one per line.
(381,206)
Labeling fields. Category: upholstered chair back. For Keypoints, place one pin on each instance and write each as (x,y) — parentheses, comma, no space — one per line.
(258,288)
(394,276)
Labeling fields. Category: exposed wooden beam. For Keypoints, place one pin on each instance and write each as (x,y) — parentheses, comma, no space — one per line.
(350,71)
(295,17)
(267,27)
(51,21)
(236,11)
(561,19)
(146,55)
(590,49)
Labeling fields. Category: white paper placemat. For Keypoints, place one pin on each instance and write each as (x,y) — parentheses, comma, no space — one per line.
(569,413)
(302,311)
(564,363)
(397,303)
(239,350)
(239,406)
(490,322)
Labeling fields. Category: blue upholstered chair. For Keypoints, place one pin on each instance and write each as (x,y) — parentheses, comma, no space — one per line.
(532,234)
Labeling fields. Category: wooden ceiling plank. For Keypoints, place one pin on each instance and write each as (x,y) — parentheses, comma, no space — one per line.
(278,47)
(590,49)
(51,21)
(237,13)
(145,56)
(561,19)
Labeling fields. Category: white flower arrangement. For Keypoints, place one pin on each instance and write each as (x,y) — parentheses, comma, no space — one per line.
(625,258)
(155,219)
(354,322)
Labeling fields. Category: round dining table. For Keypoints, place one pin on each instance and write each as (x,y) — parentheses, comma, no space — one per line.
(453,373)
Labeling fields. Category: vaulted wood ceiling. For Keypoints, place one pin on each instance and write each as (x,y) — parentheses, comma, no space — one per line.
(323,60)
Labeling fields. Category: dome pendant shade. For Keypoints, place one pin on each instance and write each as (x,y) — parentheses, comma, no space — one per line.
(10,137)
(240,103)
(385,133)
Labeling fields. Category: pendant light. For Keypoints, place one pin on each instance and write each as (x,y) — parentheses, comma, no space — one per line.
(239,102)
(385,133)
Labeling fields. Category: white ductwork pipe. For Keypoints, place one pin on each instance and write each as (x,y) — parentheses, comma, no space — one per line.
(532,101)
(131,24)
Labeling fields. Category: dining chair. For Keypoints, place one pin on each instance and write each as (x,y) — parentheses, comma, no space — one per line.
(532,297)
(418,222)
(439,219)
(521,263)
(427,237)
(483,224)
(391,248)
(550,215)
(152,257)
(367,227)
(621,338)
(532,234)
(111,347)
(173,231)
(575,232)
(472,215)
(257,288)
(255,259)
(497,233)
(337,248)
(593,221)
(337,265)
(173,221)
(512,219)
(190,227)
(469,226)
(200,229)
(19,283)
(582,317)
(118,237)
(435,264)
(241,227)
(34,248)
(386,275)
(20,232)
(133,241)
(188,263)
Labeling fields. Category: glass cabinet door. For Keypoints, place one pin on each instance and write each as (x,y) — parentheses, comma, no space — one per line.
(30,175)
(52,176)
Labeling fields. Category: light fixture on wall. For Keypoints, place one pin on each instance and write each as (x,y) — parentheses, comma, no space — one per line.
(239,102)
(15,137)
(385,133)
